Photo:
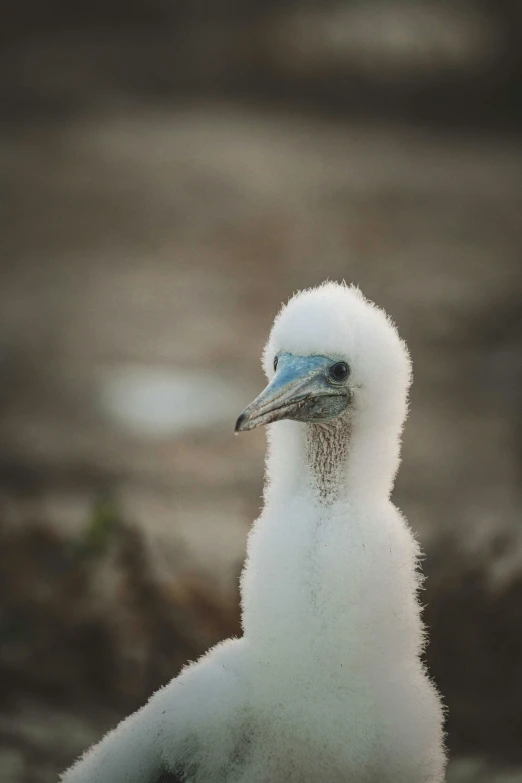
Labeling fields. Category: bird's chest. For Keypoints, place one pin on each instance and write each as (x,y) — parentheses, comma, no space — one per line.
(306,745)
(293,740)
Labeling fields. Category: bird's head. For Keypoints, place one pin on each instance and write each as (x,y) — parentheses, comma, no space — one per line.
(331,354)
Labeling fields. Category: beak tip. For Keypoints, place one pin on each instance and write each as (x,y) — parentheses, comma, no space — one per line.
(239,423)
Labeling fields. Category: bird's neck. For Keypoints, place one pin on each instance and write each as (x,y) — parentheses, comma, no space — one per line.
(344,459)
(311,553)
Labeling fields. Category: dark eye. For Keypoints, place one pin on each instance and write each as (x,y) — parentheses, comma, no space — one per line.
(339,372)
(275,362)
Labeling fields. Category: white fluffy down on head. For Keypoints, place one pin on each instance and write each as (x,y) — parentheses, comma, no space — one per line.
(337,320)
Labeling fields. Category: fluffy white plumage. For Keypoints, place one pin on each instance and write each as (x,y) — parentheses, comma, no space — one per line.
(326,683)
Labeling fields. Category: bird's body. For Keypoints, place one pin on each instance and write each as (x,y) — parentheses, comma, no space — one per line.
(326,683)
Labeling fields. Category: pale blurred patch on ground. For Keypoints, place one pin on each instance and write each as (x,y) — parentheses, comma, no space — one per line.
(164,241)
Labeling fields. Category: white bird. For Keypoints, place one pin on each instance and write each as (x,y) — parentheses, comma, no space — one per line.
(327,683)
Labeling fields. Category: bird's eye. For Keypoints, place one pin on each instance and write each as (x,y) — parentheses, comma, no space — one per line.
(275,363)
(339,372)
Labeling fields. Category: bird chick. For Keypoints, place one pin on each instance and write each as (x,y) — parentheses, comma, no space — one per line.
(326,682)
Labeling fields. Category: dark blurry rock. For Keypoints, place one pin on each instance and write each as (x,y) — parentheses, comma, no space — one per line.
(88,619)
(474,613)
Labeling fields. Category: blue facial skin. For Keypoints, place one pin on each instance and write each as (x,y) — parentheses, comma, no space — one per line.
(304,388)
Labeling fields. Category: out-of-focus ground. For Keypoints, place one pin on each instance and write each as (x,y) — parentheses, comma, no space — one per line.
(148,239)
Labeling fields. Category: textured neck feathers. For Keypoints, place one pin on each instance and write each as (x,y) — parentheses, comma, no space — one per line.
(346,458)
(327,449)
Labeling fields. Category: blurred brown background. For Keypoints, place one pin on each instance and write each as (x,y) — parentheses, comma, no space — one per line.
(171,172)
